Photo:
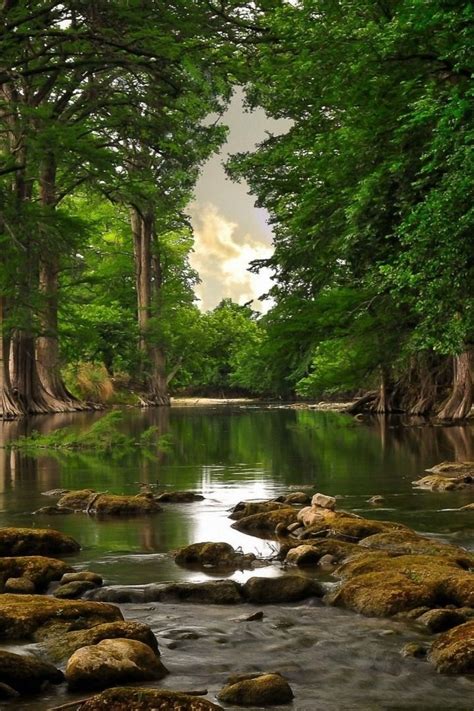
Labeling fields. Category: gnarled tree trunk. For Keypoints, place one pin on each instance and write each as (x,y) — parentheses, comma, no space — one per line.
(9,405)
(459,403)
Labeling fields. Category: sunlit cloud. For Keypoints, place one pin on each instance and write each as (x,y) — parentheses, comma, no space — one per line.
(222,255)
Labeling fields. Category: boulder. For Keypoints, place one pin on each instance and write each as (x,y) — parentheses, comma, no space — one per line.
(113,661)
(92,502)
(267,521)
(62,647)
(303,555)
(37,617)
(338,550)
(249,508)
(456,468)
(323,501)
(406,542)
(213,555)
(41,571)
(211,592)
(257,690)
(35,541)
(27,674)
(297,498)
(19,586)
(440,620)
(341,525)
(438,482)
(287,588)
(82,575)
(453,651)
(178,497)
(74,589)
(136,699)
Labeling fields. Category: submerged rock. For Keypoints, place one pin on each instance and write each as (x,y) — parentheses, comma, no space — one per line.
(38,569)
(91,502)
(213,555)
(256,690)
(212,592)
(453,651)
(53,511)
(136,699)
(113,661)
(178,497)
(35,541)
(63,646)
(287,588)
(376,500)
(38,617)
(413,649)
(27,674)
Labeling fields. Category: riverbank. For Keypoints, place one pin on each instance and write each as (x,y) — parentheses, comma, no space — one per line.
(254,402)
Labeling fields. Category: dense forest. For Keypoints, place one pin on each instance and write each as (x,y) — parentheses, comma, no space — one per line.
(109,109)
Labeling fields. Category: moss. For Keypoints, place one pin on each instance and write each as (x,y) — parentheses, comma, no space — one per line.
(250,508)
(418,567)
(410,543)
(453,651)
(35,541)
(37,617)
(110,504)
(267,521)
(125,699)
(265,689)
(348,528)
(39,569)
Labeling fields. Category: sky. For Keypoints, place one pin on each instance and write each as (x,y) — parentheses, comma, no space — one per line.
(229,231)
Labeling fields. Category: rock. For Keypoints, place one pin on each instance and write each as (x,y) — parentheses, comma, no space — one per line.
(413,649)
(27,674)
(294,527)
(40,570)
(287,588)
(213,555)
(92,502)
(467,507)
(52,511)
(55,492)
(406,542)
(297,497)
(133,699)
(35,541)
(453,651)
(82,575)
(375,500)
(74,589)
(179,497)
(257,690)
(254,617)
(249,508)
(113,661)
(212,592)
(327,561)
(437,482)
(19,586)
(303,555)
(37,617)
(266,521)
(324,502)
(457,468)
(440,620)
(62,647)
(341,525)
(6,692)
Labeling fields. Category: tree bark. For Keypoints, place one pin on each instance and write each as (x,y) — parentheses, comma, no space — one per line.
(459,403)
(9,405)
(47,346)
(148,280)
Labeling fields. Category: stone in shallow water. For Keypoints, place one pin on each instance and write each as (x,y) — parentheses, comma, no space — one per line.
(93,502)
(213,555)
(113,661)
(259,689)
(440,620)
(82,575)
(288,588)
(39,569)
(35,541)
(453,651)
(74,589)
(125,699)
(20,586)
(324,501)
(27,674)
(267,521)
(250,508)
(214,592)
(179,497)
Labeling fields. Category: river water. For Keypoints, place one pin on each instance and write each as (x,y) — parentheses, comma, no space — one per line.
(333,659)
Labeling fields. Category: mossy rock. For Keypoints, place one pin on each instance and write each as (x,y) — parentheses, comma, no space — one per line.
(453,651)
(266,521)
(213,592)
(178,497)
(39,569)
(440,620)
(35,541)
(419,567)
(213,555)
(287,588)
(340,550)
(82,575)
(437,482)
(135,699)
(257,690)
(249,508)
(19,586)
(74,589)
(27,674)
(110,504)
(457,468)
(406,542)
(37,617)
(297,498)
(113,661)
(458,589)
(66,644)
(383,594)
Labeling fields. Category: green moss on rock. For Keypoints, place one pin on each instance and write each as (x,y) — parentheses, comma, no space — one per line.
(453,651)
(35,541)
(261,690)
(133,699)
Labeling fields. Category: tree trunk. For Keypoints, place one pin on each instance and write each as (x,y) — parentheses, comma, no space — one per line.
(459,403)
(148,285)
(9,406)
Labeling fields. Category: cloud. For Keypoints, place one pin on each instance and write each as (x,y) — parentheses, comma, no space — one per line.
(222,254)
